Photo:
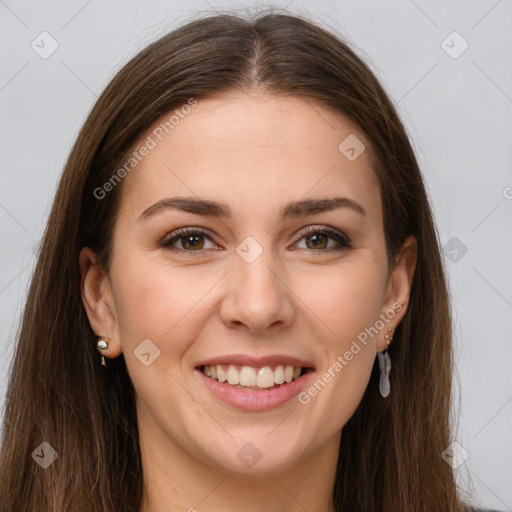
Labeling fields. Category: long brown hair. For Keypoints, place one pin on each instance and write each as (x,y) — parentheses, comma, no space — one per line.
(390,454)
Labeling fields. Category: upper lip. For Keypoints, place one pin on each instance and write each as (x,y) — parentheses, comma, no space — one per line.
(256,362)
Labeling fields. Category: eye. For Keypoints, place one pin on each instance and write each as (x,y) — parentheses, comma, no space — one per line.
(190,239)
(316,239)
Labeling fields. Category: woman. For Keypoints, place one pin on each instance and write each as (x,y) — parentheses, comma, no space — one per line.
(239,300)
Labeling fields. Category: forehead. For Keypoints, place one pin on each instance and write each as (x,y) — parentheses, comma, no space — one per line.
(253,151)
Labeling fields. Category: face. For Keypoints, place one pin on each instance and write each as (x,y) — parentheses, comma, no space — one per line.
(232,258)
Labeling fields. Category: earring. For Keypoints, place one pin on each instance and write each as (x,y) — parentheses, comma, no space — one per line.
(388,337)
(102,344)
(385,367)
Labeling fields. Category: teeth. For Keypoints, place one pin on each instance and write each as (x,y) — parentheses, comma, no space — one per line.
(233,375)
(221,374)
(249,377)
(265,377)
(279,375)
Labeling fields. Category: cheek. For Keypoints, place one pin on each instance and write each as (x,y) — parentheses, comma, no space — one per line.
(157,300)
(348,299)
(349,302)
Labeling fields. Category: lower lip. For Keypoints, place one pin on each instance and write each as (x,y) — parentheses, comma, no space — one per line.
(256,400)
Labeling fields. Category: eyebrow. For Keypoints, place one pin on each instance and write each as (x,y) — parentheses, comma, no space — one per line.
(210,208)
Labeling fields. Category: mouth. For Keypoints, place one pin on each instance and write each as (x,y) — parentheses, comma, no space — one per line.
(254,384)
(250,378)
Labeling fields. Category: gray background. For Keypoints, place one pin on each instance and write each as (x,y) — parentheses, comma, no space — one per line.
(458,112)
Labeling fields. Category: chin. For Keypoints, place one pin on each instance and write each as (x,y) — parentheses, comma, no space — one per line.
(257,451)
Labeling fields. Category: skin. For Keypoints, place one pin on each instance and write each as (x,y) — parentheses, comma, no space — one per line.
(256,153)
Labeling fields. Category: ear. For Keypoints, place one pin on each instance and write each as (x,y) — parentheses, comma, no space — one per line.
(398,287)
(98,301)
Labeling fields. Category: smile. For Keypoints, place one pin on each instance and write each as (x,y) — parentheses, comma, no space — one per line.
(254,383)
(263,378)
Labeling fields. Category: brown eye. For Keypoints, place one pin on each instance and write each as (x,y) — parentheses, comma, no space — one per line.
(187,240)
(195,240)
(192,241)
(317,239)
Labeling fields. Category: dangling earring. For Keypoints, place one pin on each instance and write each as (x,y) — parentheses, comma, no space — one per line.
(102,344)
(385,367)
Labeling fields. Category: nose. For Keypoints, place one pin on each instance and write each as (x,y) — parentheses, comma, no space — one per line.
(257,297)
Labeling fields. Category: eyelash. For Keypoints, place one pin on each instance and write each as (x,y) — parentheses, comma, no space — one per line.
(342,239)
